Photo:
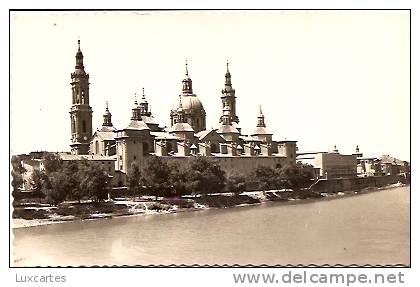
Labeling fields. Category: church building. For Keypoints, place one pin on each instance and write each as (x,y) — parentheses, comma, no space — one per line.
(186,137)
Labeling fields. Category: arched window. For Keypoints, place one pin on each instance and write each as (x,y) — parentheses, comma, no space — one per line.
(84,126)
(74,94)
(73,125)
(96,147)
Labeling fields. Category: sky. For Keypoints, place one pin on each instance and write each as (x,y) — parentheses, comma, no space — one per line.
(323,78)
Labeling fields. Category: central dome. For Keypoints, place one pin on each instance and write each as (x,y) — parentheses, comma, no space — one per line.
(188,108)
(190,104)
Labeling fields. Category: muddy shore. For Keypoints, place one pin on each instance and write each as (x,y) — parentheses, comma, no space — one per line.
(28,215)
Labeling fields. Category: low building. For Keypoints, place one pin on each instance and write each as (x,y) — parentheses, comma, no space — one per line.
(107,162)
(335,165)
(369,166)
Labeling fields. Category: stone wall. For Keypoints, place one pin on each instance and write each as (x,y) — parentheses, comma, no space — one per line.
(357,183)
(242,164)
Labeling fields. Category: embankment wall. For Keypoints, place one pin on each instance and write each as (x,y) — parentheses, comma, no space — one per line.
(347,184)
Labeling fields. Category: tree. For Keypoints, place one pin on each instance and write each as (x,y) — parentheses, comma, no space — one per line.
(156,176)
(134,178)
(235,182)
(58,182)
(37,181)
(17,180)
(306,173)
(17,164)
(17,172)
(178,179)
(296,176)
(52,162)
(93,181)
(56,188)
(205,176)
(266,177)
(74,180)
(75,171)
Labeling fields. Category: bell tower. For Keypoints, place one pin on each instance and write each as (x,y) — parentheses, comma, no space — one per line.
(80,112)
(228,97)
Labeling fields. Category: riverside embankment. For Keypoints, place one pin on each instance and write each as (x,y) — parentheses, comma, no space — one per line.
(34,214)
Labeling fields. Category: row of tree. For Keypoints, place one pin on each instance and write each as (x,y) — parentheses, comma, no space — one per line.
(200,175)
(73,180)
(76,180)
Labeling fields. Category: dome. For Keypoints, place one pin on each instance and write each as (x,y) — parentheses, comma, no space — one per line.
(261,131)
(181,127)
(190,104)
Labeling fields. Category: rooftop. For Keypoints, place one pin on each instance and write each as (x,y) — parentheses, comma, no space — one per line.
(68,157)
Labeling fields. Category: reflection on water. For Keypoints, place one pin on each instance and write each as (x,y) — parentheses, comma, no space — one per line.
(365,229)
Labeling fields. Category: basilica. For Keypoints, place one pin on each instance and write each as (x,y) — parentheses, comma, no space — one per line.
(187,136)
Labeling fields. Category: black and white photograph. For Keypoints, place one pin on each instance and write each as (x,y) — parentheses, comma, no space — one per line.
(197,138)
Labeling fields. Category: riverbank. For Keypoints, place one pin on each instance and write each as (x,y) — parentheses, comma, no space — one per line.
(28,215)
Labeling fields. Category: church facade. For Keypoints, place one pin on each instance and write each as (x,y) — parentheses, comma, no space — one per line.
(187,136)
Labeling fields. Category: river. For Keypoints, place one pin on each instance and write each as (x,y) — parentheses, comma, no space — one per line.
(371,228)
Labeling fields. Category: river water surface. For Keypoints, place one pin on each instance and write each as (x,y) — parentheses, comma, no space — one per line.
(370,228)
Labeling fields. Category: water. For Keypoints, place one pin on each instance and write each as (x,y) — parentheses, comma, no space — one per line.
(371,228)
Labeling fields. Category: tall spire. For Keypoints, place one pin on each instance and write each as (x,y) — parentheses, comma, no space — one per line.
(107,117)
(261,122)
(187,82)
(79,57)
(228,79)
(186,67)
(143,97)
(81,112)
(144,105)
(180,112)
(136,116)
(228,96)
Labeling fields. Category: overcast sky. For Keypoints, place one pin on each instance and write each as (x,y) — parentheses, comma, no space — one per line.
(322,77)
